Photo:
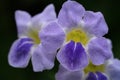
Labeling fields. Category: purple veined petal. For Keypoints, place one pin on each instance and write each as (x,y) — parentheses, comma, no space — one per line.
(52,37)
(64,74)
(70,14)
(113,69)
(95,24)
(101,76)
(22,18)
(99,50)
(42,60)
(72,56)
(19,54)
(91,76)
(47,15)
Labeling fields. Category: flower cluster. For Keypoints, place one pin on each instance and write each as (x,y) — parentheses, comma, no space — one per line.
(75,38)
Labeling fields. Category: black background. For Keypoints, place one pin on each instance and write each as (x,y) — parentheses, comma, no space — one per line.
(8,32)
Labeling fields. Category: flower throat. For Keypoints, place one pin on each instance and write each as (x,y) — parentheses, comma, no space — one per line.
(77,35)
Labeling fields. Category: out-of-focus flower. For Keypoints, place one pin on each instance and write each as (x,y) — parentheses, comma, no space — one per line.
(84,40)
(39,37)
(113,69)
(107,71)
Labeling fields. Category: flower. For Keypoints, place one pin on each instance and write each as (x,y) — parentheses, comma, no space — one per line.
(84,39)
(37,40)
(64,74)
(86,54)
(107,71)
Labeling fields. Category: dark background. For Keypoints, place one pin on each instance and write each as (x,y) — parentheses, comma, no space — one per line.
(8,32)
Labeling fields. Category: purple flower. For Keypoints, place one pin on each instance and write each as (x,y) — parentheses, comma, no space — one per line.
(107,71)
(64,74)
(113,69)
(39,37)
(86,54)
(84,40)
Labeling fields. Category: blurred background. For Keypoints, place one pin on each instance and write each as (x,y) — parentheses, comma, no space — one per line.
(8,32)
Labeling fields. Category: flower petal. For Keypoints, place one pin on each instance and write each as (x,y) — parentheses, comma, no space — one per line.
(91,76)
(42,59)
(52,37)
(22,18)
(72,56)
(113,69)
(70,14)
(95,24)
(99,50)
(19,54)
(64,74)
(47,15)
(101,76)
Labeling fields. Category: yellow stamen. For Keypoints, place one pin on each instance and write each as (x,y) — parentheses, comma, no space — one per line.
(94,68)
(77,35)
(34,35)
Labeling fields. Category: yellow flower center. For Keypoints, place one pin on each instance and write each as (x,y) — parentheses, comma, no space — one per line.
(77,35)
(94,68)
(34,35)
